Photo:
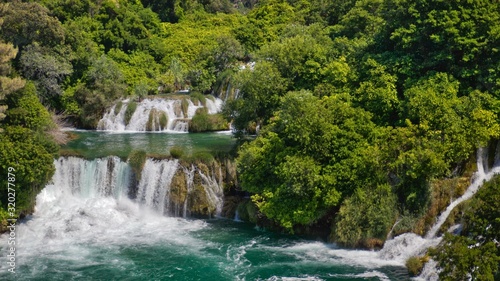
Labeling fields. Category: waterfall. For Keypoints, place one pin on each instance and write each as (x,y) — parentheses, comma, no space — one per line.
(90,179)
(166,115)
(155,184)
(156,189)
(482,175)
(408,245)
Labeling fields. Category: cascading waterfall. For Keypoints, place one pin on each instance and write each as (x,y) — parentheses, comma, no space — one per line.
(155,115)
(155,184)
(111,177)
(90,179)
(408,245)
(482,175)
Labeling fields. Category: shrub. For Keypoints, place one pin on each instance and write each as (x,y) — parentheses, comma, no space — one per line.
(367,214)
(203,122)
(414,266)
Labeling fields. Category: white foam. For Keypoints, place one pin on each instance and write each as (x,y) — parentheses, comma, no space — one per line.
(172,108)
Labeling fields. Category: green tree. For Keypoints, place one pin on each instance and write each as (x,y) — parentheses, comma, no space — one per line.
(103,85)
(300,56)
(367,214)
(28,22)
(8,85)
(308,158)
(458,37)
(260,90)
(25,147)
(47,68)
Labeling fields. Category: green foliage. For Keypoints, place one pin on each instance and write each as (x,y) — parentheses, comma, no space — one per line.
(26,110)
(25,23)
(198,98)
(103,85)
(176,152)
(139,71)
(369,213)
(31,155)
(47,67)
(203,122)
(118,107)
(184,107)
(414,266)
(300,55)
(203,157)
(257,100)
(300,167)
(460,257)
(247,211)
(163,120)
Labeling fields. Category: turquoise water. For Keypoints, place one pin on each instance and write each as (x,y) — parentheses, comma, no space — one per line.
(92,144)
(76,236)
(204,250)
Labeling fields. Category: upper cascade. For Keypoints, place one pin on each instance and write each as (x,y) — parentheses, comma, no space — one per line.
(165,115)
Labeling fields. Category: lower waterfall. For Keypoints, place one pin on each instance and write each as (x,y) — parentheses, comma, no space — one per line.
(112,177)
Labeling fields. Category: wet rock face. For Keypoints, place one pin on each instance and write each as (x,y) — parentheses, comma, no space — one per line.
(178,189)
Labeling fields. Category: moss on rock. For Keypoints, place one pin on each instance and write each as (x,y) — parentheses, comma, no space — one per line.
(198,202)
(131,107)
(247,211)
(178,188)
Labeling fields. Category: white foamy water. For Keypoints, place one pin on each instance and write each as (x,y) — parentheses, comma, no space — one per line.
(149,114)
(87,204)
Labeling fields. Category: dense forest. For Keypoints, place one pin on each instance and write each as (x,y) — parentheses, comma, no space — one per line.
(363,109)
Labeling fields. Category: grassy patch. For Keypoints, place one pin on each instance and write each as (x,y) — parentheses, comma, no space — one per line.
(414,266)
(136,159)
(176,152)
(163,120)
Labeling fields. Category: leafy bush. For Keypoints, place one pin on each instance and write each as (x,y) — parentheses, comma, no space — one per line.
(475,254)
(203,122)
(367,214)
(414,266)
